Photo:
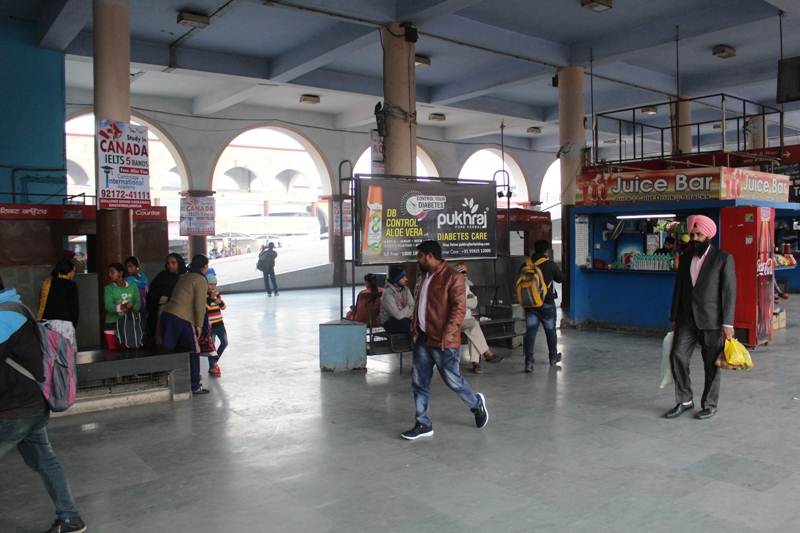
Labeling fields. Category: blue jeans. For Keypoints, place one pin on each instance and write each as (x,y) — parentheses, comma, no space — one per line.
(29,435)
(447,361)
(218,332)
(269,276)
(546,315)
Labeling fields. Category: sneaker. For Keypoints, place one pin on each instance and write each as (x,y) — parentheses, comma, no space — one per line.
(417,432)
(74,525)
(529,368)
(476,368)
(481,412)
(555,360)
(490,357)
(215,372)
(201,390)
(269,294)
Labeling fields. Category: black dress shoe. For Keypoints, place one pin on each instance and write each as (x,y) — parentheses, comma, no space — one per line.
(678,410)
(708,412)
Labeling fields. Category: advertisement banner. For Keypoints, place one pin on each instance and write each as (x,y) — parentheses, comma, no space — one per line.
(740,183)
(396,215)
(71,212)
(712,183)
(123,166)
(197,216)
(347,218)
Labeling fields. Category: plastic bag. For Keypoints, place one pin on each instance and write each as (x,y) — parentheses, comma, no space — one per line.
(666,367)
(736,355)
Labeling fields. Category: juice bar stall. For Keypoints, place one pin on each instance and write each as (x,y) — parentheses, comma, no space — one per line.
(629,228)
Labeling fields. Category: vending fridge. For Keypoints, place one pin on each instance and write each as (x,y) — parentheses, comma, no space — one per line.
(747,232)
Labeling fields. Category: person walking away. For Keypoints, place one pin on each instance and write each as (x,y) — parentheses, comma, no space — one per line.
(471,327)
(161,289)
(24,413)
(436,327)
(703,306)
(266,264)
(61,306)
(541,308)
(183,316)
(397,302)
(215,305)
(120,298)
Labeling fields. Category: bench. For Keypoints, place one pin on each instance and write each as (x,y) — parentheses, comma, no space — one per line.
(108,379)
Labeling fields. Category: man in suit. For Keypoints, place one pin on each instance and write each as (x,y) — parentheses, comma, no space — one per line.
(703,305)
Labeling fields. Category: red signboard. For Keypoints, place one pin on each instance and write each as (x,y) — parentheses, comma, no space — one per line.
(70,212)
(712,183)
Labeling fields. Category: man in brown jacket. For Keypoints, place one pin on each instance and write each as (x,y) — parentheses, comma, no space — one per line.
(440,306)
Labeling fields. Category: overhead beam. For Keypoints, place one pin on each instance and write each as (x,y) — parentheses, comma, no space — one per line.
(61,21)
(419,11)
(728,80)
(641,77)
(504,108)
(356,118)
(214,102)
(337,42)
(481,128)
(787,6)
(508,74)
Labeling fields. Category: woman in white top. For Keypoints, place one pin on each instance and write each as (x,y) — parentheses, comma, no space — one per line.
(471,328)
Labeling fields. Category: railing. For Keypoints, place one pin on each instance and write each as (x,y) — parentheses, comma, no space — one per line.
(722,123)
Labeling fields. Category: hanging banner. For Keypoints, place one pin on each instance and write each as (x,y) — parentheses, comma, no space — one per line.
(71,212)
(396,215)
(197,216)
(712,183)
(122,165)
(347,216)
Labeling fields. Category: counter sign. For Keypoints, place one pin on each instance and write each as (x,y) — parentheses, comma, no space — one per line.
(123,179)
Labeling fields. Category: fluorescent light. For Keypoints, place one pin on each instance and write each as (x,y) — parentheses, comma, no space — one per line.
(422,61)
(194,20)
(437,117)
(309,98)
(534,130)
(597,5)
(723,51)
(649,110)
(635,217)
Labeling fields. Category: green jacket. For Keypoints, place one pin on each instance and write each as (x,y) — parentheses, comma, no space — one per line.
(114,296)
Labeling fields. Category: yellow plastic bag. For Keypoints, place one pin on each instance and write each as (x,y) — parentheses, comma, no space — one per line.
(736,355)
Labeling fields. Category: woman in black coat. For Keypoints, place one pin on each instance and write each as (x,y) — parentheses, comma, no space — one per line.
(161,289)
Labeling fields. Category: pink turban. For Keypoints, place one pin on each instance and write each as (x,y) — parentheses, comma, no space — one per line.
(703,224)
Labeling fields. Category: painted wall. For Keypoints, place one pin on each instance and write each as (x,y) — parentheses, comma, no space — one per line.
(32,111)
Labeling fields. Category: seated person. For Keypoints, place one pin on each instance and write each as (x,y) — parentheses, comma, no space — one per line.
(368,304)
(397,302)
(471,327)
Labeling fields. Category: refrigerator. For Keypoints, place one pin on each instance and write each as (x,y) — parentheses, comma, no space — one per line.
(748,233)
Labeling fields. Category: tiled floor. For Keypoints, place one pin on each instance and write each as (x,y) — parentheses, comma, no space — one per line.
(280,447)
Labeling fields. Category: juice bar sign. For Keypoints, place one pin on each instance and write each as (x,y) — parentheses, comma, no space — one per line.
(396,215)
(717,183)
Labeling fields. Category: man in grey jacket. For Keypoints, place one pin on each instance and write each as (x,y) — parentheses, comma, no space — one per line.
(703,305)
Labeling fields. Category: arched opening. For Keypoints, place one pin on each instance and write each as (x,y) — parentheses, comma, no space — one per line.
(268,182)
(488,163)
(425,165)
(167,170)
(550,196)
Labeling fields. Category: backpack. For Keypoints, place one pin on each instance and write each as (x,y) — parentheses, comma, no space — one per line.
(58,359)
(531,287)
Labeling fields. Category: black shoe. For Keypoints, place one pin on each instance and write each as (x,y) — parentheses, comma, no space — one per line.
(269,294)
(706,413)
(555,360)
(678,410)
(75,525)
(529,368)
(417,432)
(495,358)
(201,390)
(481,412)
(476,368)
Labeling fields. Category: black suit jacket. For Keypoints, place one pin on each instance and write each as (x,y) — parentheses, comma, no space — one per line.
(712,301)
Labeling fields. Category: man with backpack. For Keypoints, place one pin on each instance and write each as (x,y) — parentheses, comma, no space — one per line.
(535,292)
(24,412)
(266,264)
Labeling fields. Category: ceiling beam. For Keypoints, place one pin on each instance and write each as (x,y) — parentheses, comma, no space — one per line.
(728,80)
(787,6)
(61,21)
(504,108)
(642,77)
(501,76)
(419,11)
(321,50)
(214,102)
(659,32)
(355,118)
(481,128)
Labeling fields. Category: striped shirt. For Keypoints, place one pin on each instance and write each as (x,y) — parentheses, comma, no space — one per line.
(215,311)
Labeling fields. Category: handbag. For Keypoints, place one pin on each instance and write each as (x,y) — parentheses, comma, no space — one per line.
(128,330)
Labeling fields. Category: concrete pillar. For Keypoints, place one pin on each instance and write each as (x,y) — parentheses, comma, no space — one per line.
(572,138)
(112,102)
(400,97)
(681,113)
(754,133)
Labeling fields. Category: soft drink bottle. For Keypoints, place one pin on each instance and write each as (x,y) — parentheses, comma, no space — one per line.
(373,222)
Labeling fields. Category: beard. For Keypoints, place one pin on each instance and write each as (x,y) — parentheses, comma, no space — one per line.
(699,248)
(422,266)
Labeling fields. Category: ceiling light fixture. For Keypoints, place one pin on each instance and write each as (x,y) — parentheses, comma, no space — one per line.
(309,98)
(437,117)
(194,20)
(422,61)
(717,126)
(534,130)
(723,51)
(598,6)
(649,110)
